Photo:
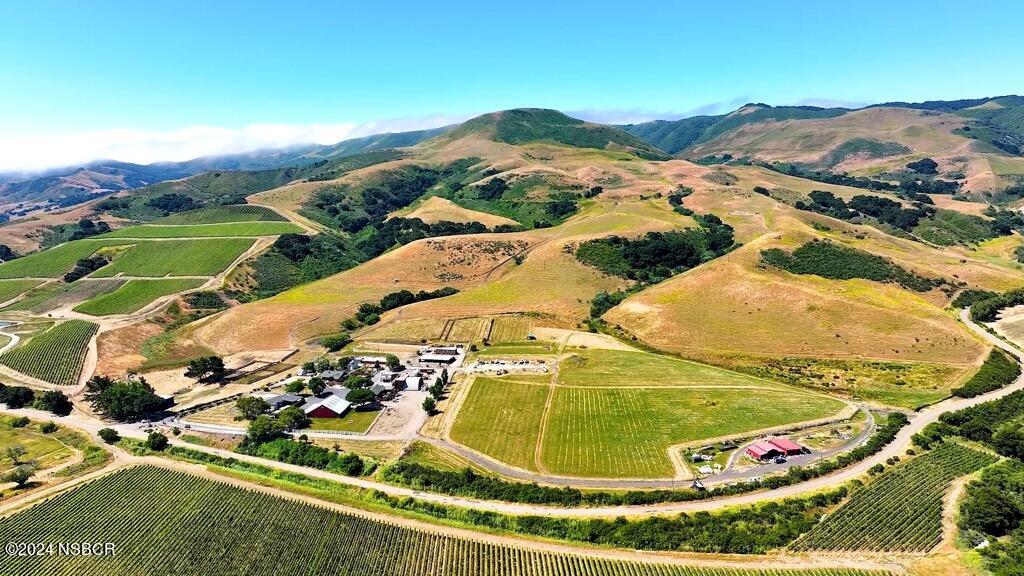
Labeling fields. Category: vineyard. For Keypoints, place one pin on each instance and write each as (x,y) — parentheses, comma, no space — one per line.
(901,511)
(55,261)
(176,258)
(55,355)
(135,295)
(207,230)
(221,214)
(57,295)
(162,522)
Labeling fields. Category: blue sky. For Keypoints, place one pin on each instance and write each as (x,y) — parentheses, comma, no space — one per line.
(153,69)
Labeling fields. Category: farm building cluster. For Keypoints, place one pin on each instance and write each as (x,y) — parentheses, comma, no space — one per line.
(383,380)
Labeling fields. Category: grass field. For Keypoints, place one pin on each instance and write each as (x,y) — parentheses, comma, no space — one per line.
(354,421)
(11,288)
(222,214)
(164,523)
(45,449)
(904,384)
(437,209)
(204,230)
(58,294)
(510,329)
(429,455)
(467,330)
(502,418)
(621,368)
(55,355)
(55,261)
(625,432)
(615,413)
(407,330)
(901,511)
(134,295)
(176,258)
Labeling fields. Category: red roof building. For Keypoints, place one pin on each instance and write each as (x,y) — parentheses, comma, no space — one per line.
(773,448)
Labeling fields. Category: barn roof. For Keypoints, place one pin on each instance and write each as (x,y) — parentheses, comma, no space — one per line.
(785,444)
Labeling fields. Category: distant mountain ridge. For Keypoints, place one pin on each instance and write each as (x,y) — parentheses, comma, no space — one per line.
(69,186)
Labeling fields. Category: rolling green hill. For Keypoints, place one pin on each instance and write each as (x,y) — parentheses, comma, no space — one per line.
(673,136)
(525,125)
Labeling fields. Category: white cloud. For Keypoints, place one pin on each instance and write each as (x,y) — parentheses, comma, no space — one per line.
(25,153)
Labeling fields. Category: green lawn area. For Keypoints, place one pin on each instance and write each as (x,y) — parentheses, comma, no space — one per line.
(135,295)
(626,432)
(55,261)
(177,258)
(201,230)
(620,368)
(11,288)
(502,419)
(45,449)
(354,421)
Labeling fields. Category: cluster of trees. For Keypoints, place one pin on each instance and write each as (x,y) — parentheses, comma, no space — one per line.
(369,312)
(85,266)
(206,369)
(986,310)
(21,468)
(924,166)
(994,423)
(830,260)
(910,185)
(967,298)
(748,530)
(6,254)
(303,454)
(171,203)
(657,256)
(493,189)
(124,400)
(53,401)
(436,392)
(882,209)
(998,370)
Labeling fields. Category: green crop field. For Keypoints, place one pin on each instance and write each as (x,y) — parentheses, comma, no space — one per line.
(625,432)
(502,419)
(620,368)
(135,295)
(11,288)
(221,214)
(162,522)
(55,261)
(58,294)
(176,258)
(901,511)
(616,413)
(55,355)
(241,229)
